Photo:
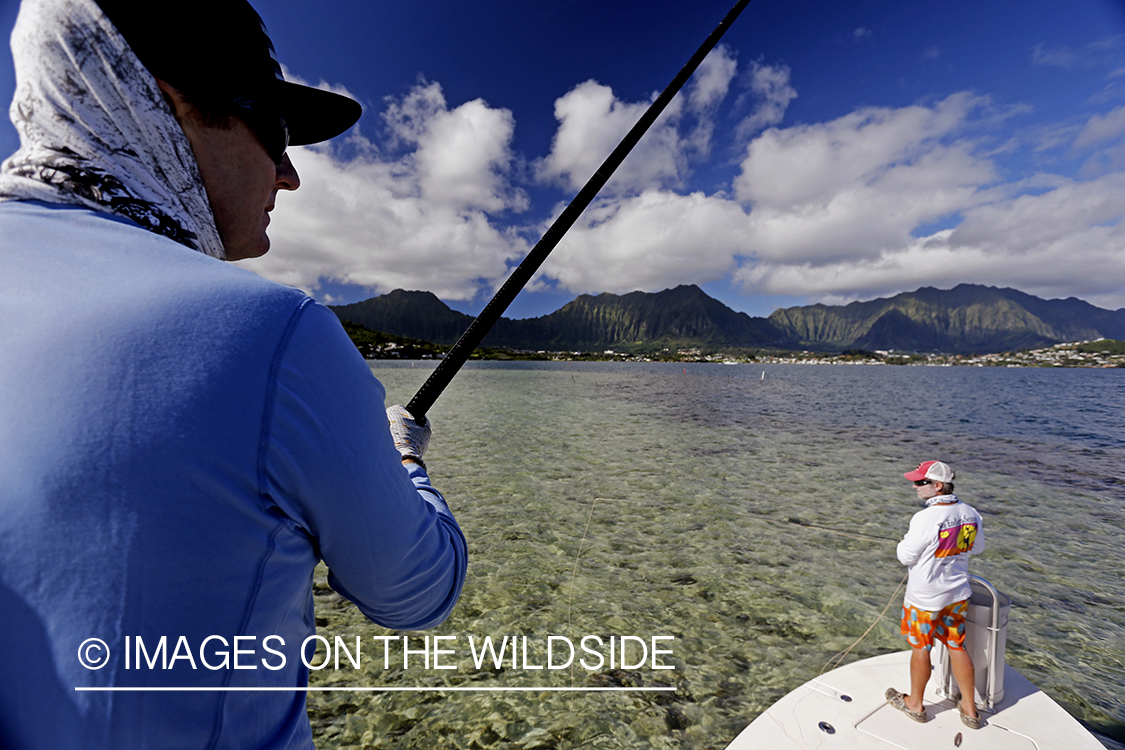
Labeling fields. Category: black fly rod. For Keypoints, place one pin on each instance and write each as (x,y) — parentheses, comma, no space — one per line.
(479,328)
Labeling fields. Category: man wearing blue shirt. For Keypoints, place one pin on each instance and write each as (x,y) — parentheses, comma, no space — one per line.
(181,441)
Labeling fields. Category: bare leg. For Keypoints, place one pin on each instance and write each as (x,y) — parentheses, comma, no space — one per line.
(963,672)
(919,676)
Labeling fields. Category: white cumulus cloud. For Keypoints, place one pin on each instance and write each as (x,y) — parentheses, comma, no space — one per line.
(420,219)
(649,242)
(840,211)
(769,85)
(1102,128)
(462,156)
(709,87)
(861,184)
(592,121)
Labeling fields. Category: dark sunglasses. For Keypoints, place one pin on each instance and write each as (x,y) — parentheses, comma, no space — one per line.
(268,126)
(922,482)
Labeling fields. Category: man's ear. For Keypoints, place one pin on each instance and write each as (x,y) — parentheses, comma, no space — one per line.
(175,98)
(182,109)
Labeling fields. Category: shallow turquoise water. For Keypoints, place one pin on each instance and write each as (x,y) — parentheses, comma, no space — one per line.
(643,500)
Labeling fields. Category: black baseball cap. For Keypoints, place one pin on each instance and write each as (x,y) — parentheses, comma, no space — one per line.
(219,50)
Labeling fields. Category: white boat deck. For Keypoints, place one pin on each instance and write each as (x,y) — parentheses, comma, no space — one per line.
(845,709)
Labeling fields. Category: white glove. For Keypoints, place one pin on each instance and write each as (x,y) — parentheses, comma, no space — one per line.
(411,439)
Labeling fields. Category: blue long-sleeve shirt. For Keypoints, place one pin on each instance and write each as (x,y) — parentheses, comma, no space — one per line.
(181,442)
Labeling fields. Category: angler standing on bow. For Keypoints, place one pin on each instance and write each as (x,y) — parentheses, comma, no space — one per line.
(936,549)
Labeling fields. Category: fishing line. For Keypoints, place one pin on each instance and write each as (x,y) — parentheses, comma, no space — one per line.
(574,575)
(843,654)
(839,657)
(574,572)
(852,534)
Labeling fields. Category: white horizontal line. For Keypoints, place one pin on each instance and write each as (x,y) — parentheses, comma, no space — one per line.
(377,689)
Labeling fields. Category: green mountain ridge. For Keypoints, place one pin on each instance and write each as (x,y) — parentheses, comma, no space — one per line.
(968,319)
(683,316)
(417,315)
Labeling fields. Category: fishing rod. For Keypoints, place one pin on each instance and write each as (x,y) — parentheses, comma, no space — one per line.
(479,328)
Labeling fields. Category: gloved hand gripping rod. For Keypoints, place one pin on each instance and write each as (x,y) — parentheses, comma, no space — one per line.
(479,328)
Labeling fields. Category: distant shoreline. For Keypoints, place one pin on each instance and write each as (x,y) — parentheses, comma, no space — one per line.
(1098,354)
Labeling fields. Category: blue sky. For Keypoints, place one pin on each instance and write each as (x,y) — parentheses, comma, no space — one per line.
(828,152)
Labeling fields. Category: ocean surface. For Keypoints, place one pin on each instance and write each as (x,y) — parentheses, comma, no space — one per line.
(748,511)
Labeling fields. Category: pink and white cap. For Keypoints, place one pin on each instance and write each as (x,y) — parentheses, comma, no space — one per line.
(934,470)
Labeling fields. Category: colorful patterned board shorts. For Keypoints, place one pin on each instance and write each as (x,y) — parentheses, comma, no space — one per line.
(948,626)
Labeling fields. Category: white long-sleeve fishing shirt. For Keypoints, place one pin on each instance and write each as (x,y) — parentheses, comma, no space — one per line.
(936,548)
